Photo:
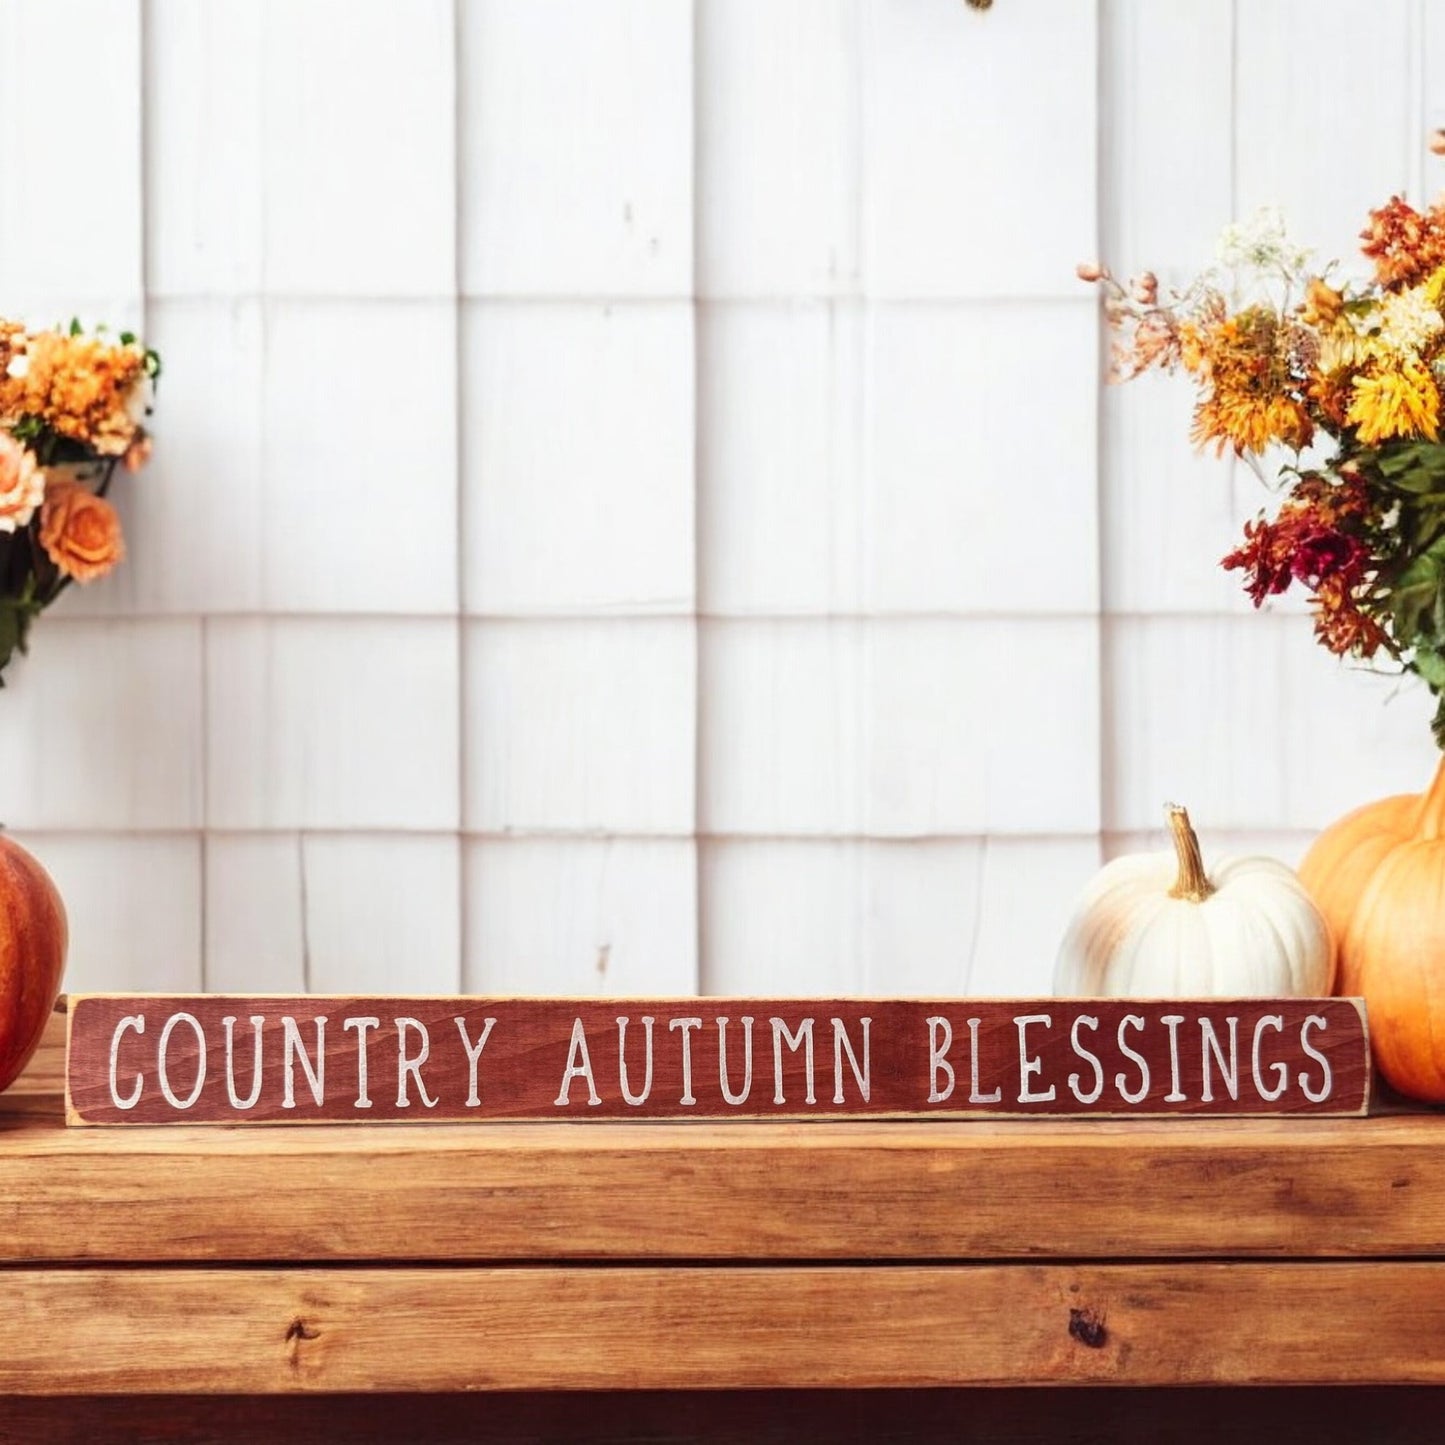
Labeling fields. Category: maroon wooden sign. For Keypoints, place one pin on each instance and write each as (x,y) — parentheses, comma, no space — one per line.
(220,1059)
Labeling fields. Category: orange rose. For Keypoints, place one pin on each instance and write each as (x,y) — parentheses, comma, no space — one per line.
(22,484)
(80,531)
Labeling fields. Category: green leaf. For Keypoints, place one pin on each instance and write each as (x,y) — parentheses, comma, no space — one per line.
(1429,664)
(1414,598)
(1416,468)
(15,616)
(9,634)
(75,327)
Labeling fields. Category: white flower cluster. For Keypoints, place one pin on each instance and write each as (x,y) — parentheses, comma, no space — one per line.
(1408,322)
(1261,243)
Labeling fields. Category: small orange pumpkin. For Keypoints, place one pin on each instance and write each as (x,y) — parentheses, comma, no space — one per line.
(1378,876)
(32,955)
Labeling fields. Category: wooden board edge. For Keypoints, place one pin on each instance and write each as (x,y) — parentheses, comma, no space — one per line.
(75,1120)
(73,998)
(72,1114)
(1369,1103)
(438,1328)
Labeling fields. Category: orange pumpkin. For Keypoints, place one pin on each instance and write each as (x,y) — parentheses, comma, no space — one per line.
(1378,876)
(33,938)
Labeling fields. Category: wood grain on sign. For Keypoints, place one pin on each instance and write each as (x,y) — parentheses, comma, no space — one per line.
(142,1059)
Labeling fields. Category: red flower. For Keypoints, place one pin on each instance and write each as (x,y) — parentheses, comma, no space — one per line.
(1265,558)
(1301,544)
(1325,554)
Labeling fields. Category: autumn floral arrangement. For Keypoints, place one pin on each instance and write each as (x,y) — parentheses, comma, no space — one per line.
(72,408)
(1330,388)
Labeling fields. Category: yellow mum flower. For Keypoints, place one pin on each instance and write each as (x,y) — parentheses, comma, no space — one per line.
(1343,348)
(84,387)
(1250,422)
(1396,403)
(1434,288)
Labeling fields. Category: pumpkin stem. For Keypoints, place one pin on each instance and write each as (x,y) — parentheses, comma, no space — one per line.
(1430,822)
(1193,882)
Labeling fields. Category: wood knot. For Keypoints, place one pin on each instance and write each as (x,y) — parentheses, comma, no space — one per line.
(1087,1326)
(300,1330)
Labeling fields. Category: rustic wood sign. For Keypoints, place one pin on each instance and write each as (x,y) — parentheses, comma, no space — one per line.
(219,1059)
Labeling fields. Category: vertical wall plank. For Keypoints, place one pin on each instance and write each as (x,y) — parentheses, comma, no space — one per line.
(577,242)
(332,723)
(783,916)
(338,912)
(859,461)
(781,409)
(581,726)
(781,742)
(101,727)
(1166,191)
(578,450)
(1170,513)
(255,928)
(912,728)
(954,916)
(359,458)
(979,134)
(360,148)
(382,913)
(778,140)
(134,908)
(581,915)
(70,168)
(1167,131)
(205,153)
(1254,726)
(576,148)
(1305,108)
(1426,74)
(987,727)
(962,479)
(1015,942)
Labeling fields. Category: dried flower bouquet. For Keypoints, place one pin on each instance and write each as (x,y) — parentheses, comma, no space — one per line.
(72,408)
(1344,377)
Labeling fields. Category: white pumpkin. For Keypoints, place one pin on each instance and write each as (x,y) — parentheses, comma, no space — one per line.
(1156,925)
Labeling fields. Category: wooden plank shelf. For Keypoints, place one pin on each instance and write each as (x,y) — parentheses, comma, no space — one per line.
(673,1257)
(439,1329)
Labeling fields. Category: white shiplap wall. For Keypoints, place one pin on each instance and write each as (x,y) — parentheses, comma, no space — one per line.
(634,508)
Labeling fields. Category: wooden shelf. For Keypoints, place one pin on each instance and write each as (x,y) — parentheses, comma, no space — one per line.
(636,1256)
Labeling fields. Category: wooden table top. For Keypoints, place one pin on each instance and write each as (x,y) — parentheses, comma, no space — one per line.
(667,1192)
(634,1256)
